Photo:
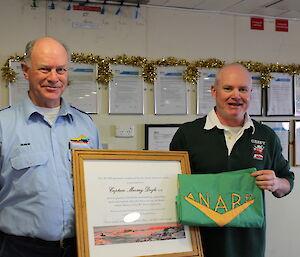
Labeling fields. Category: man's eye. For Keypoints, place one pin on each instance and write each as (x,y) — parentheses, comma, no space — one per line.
(44,70)
(61,70)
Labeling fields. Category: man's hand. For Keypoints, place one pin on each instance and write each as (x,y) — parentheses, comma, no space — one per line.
(267,180)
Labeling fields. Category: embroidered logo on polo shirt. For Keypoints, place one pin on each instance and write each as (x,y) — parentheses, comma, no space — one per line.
(258,149)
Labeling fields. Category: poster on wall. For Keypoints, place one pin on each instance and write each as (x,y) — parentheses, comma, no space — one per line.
(82,91)
(159,136)
(297,94)
(280,95)
(255,108)
(170,91)
(282,129)
(296,142)
(205,102)
(126,90)
(125,204)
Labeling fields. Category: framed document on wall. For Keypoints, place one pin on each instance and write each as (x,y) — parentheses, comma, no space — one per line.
(282,129)
(205,102)
(159,136)
(256,108)
(125,204)
(126,90)
(170,91)
(296,124)
(280,95)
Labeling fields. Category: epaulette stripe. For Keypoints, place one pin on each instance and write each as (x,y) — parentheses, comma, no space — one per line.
(5,108)
(81,111)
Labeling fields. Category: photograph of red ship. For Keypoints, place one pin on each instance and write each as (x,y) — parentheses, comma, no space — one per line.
(138,233)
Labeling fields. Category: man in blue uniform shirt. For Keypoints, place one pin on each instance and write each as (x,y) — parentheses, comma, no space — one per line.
(36,187)
(225,140)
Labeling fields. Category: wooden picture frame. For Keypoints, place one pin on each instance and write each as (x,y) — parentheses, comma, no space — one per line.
(112,186)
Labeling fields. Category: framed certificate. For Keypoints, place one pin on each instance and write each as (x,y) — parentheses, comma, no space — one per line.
(126,91)
(280,95)
(256,108)
(282,129)
(125,204)
(159,136)
(170,91)
(296,142)
(205,102)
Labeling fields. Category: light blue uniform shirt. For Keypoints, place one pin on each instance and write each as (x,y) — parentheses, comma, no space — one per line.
(36,186)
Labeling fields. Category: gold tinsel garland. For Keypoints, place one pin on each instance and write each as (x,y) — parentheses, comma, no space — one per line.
(149,67)
(8,73)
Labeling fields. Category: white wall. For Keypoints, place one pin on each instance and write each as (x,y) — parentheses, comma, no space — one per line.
(161,33)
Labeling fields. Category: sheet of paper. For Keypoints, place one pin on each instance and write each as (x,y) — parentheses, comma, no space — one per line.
(126,91)
(280,98)
(159,138)
(204,100)
(255,107)
(170,91)
(82,92)
(282,129)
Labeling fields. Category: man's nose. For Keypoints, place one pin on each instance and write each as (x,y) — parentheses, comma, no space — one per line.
(52,76)
(235,93)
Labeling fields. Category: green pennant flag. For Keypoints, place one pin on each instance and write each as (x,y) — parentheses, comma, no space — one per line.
(229,199)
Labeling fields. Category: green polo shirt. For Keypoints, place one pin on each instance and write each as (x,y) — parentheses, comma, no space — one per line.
(208,154)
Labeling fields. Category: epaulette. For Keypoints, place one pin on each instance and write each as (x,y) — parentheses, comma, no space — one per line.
(7,107)
(81,111)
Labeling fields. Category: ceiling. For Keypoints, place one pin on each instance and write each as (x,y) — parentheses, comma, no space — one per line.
(289,9)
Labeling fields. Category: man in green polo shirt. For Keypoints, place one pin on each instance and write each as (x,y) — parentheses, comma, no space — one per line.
(227,140)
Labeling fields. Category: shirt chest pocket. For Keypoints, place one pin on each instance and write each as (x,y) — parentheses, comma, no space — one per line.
(30,171)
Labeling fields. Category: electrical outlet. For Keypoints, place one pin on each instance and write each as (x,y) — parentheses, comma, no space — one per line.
(124,131)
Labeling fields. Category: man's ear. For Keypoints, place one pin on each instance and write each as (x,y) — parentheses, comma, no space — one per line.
(25,69)
(213,91)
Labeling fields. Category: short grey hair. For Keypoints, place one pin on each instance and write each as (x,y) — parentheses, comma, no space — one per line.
(29,47)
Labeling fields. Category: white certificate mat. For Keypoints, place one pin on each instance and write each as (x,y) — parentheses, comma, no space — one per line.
(205,102)
(126,91)
(280,95)
(125,204)
(81,93)
(282,129)
(170,91)
(255,107)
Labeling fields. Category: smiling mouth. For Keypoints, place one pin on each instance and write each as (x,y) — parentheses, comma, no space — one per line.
(235,104)
(48,86)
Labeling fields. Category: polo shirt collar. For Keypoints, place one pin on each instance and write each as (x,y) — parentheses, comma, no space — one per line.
(212,121)
(30,109)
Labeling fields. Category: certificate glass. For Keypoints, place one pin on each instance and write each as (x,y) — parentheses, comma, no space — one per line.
(125,204)
(280,95)
(205,102)
(297,94)
(126,91)
(170,91)
(282,129)
(297,143)
(159,136)
(82,92)
(255,108)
